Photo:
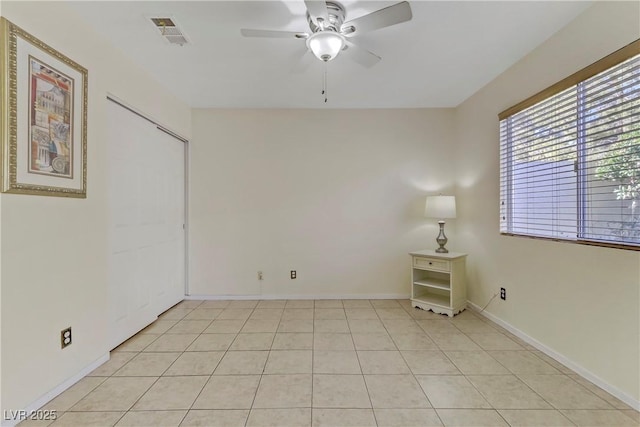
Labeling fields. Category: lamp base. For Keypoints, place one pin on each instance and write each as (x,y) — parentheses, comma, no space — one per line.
(442,240)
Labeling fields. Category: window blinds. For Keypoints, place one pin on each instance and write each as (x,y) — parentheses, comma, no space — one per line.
(570,163)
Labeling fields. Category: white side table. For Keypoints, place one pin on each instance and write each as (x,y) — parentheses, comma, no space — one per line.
(438,281)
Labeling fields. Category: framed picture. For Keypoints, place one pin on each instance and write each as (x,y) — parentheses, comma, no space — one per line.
(44,118)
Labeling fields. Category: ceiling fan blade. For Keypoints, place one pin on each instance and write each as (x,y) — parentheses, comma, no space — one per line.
(317,10)
(360,55)
(399,12)
(273,34)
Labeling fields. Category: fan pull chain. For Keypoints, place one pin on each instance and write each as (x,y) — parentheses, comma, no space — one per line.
(324,82)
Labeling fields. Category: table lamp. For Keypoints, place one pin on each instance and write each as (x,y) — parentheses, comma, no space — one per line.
(441,207)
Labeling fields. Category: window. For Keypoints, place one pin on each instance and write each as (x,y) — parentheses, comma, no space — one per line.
(570,157)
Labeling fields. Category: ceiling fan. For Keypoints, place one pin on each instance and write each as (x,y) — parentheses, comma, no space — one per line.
(330,34)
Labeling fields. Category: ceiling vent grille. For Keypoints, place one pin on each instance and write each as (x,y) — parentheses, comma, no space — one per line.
(170,31)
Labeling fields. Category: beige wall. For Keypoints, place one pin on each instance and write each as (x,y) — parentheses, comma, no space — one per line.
(581,302)
(337,195)
(54,250)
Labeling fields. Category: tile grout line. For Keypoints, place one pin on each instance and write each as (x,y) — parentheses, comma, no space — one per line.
(411,371)
(413,375)
(214,369)
(205,383)
(313,359)
(364,380)
(186,414)
(154,382)
(265,363)
(465,376)
(263,367)
(397,327)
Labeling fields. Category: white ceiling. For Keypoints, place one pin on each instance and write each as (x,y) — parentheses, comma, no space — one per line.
(448,51)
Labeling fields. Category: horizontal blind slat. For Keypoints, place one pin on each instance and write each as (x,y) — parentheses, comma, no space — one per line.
(539,150)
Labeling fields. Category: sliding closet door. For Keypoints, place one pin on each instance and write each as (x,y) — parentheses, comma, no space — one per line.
(146,210)
(170,288)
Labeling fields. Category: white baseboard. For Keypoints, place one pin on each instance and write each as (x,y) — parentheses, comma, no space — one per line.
(614,391)
(44,399)
(278,296)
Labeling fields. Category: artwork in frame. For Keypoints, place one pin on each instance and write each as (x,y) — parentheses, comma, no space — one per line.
(44,118)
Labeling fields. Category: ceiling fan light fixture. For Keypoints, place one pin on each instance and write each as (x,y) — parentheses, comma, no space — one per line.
(325,45)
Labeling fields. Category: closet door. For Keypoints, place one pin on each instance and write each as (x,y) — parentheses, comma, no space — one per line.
(146,211)
(171,239)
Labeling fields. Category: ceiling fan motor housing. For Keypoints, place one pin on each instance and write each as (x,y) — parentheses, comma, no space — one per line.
(336,14)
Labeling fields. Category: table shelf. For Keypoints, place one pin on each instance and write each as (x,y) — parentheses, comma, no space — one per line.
(438,282)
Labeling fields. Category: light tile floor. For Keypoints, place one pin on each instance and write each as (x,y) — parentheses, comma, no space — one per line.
(330,363)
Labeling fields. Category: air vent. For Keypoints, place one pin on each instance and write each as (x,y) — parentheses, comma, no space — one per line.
(170,31)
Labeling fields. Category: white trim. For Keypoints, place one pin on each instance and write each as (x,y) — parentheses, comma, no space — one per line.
(187,195)
(614,391)
(45,398)
(272,297)
(148,117)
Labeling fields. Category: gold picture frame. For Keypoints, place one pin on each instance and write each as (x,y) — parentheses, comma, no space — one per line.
(43,124)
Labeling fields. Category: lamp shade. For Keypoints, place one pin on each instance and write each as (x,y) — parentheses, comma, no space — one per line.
(440,207)
(325,45)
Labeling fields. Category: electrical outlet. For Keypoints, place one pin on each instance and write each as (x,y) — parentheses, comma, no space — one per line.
(503,294)
(294,274)
(259,275)
(65,337)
